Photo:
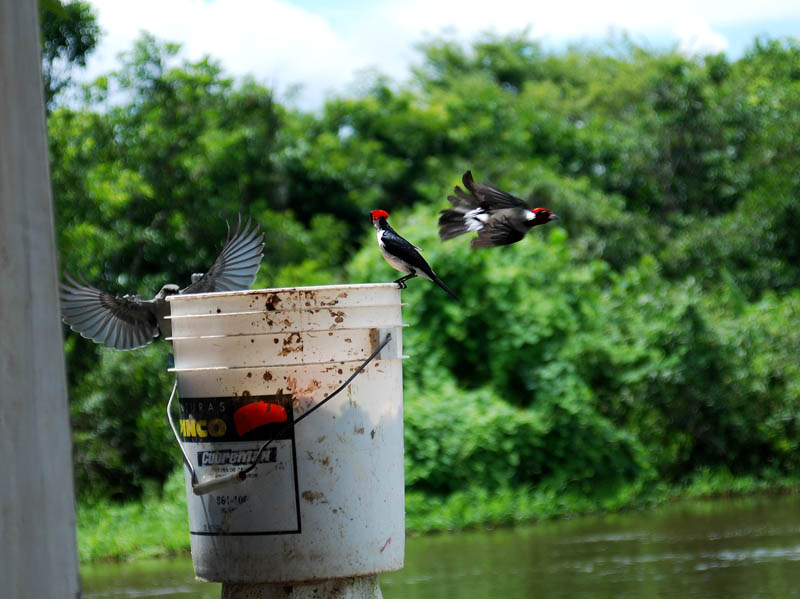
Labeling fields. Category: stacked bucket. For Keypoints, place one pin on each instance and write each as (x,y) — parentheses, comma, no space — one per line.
(326,499)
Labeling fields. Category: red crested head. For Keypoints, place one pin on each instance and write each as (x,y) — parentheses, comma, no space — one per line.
(542,216)
(376,214)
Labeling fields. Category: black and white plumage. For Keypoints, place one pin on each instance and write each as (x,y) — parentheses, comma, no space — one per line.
(128,322)
(498,218)
(402,255)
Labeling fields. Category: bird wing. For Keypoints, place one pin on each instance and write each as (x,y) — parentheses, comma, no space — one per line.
(488,197)
(237,264)
(401,248)
(118,322)
(498,231)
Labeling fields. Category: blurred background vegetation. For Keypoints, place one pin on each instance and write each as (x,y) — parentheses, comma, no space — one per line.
(648,340)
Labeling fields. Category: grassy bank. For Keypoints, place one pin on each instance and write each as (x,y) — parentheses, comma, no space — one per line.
(158,526)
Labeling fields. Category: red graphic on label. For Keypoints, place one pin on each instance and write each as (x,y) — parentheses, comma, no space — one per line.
(257,414)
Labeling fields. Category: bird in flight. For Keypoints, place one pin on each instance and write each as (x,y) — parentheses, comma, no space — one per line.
(498,217)
(400,254)
(128,322)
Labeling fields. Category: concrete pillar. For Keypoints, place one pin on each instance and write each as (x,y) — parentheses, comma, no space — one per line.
(38,555)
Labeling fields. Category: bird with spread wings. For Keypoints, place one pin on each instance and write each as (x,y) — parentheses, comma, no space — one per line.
(128,321)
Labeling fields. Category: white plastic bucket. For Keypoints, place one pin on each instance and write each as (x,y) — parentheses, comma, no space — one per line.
(327,497)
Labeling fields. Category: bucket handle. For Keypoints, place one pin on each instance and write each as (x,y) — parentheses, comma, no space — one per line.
(212,484)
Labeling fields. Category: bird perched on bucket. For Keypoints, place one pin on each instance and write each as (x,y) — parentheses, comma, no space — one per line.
(400,254)
(498,217)
(128,322)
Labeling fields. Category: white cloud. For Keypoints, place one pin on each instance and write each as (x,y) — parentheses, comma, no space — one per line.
(282,43)
(273,40)
(696,37)
(573,19)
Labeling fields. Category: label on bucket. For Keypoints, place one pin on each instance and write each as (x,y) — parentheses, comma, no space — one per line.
(223,435)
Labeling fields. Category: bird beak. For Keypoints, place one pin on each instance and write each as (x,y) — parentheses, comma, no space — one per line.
(554,217)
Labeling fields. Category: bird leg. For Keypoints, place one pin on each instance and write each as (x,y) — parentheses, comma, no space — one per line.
(401,282)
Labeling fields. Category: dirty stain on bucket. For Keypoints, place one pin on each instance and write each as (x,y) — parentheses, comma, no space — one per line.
(327,497)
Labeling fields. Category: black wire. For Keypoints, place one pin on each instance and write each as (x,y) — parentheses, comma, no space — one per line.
(243,473)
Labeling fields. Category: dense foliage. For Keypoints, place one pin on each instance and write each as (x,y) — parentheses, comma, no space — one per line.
(650,337)
(69,34)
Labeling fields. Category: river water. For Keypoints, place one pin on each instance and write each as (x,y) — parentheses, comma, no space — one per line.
(722,549)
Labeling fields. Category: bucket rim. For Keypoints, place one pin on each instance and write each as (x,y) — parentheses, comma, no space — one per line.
(260,312)
(211,369)
(403,325)
(246,292)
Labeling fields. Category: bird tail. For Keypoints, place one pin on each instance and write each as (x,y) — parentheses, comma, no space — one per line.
(451,224)
(441,284)
(461,218)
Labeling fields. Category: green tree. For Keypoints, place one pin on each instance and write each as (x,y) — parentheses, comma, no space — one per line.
(69,35)
(648,337)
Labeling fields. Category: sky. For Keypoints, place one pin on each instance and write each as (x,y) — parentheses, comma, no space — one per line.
(322,46)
